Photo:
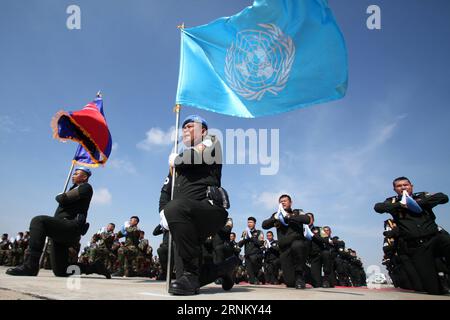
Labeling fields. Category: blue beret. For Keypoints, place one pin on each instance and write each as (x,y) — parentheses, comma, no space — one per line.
(195,118)
(86,170)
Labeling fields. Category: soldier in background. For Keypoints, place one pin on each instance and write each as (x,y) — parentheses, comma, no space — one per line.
(145,255)
(163,252)
(291,240)
(17,252)
(234,245)
(102,243)
(320,257)
(127,253)
(25,244)
(271,259)
(253,242)
(357,274)
(5,248)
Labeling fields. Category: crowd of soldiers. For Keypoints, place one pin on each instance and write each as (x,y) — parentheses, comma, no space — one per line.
(13,250)
(259,263)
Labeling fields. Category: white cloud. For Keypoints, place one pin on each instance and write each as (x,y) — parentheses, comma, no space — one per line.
(157,137)
(123,165)
(102,196)
(269,200)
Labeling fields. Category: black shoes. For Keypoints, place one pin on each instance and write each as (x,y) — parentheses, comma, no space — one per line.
(225,272)
(186,285)
(100,268)
(22,270)
(29,268)
(300,283)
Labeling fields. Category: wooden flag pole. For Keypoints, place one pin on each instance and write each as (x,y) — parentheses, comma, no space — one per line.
(173,170)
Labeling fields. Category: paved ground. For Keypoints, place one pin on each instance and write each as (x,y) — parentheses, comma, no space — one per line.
(46,287)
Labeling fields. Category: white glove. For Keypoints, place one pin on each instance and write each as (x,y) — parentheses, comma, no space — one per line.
(163,222)
(282,211)
(172,159)
(249,233)
(405,194)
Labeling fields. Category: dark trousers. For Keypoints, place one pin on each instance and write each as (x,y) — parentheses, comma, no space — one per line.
(64,234)
(293,259)
(343,271)
(321,260)
(191,222)
(272,269)
(423,259)
(253,264)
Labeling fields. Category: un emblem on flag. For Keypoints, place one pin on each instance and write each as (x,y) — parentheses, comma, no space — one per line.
(259,61)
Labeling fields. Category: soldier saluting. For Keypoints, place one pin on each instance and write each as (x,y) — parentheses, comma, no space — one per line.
(419,237)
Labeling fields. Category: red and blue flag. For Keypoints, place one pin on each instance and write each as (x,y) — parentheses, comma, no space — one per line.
(89,128)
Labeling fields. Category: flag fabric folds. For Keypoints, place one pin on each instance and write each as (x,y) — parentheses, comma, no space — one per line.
(89,128)
(272,57)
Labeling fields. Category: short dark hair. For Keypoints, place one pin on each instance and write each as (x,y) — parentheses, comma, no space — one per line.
(142,231)
(135,217)
(112,224)
(284,196)
(400,179)
(21,233)
(252,218)
(233,234)
(269,232)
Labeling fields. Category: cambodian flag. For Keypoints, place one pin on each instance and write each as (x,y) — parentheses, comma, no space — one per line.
(88,127)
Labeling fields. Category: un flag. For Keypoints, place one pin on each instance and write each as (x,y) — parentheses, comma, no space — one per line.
(272,57)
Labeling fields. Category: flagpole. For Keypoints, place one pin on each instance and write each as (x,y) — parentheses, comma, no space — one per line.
(175,149)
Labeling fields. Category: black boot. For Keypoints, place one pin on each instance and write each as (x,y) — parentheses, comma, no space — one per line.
(299,281)
(30,266)
(186,285)
(100,268)
(225,271)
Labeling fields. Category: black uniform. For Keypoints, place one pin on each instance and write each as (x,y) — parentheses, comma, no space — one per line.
(253,253)
(320,257)
(190,215)
(221,244)
(272,261)
(64,228)
(292,243)
(419,237)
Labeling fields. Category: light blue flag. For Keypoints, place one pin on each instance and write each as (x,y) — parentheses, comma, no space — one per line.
(272,57)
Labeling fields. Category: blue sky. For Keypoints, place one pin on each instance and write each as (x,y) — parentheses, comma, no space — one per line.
(336,159)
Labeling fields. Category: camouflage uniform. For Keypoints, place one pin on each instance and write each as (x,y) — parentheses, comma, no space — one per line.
(102,250)
(144,258)
(128,252)
(17,252)
(5,248)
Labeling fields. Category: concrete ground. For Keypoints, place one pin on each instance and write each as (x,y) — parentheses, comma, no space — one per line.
(93,287)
